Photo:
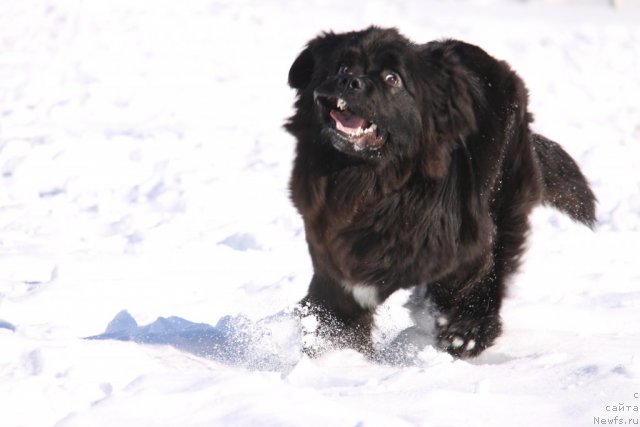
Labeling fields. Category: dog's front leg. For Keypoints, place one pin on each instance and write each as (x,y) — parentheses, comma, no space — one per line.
(333,317)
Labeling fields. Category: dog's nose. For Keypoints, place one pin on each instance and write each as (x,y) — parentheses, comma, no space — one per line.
(350,82)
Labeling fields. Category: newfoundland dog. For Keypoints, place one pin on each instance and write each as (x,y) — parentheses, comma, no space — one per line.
(415,165)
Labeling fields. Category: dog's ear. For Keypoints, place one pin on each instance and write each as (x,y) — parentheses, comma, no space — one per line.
(449,104)
(301,71)
(315,60)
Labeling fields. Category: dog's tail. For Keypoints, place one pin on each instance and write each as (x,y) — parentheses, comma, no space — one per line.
(565,188)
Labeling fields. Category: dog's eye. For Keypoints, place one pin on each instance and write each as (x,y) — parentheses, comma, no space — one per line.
(344,69)
(392,79)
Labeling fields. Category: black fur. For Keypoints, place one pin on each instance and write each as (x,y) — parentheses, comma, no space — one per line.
(438,194)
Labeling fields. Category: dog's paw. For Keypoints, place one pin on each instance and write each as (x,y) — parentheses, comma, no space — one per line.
(464,338)
(313,343)
(322,332)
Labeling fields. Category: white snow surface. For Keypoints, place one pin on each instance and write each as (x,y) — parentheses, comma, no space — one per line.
(143,167)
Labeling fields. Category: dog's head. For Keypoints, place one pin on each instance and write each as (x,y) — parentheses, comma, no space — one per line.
(373,95)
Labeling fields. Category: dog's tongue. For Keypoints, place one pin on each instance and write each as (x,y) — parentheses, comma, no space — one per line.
(347,121)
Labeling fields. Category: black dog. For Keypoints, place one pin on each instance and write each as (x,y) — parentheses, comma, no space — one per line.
(415,165)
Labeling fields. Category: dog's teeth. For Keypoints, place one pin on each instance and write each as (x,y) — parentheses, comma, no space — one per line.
(371,128)
(341,104)
(361,131)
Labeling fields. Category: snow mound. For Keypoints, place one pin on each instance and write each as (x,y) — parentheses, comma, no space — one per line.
(271,344)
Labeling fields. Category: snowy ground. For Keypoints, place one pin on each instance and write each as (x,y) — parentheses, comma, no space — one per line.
(143,167)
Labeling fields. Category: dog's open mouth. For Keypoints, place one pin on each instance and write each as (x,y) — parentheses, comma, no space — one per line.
(359,131)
